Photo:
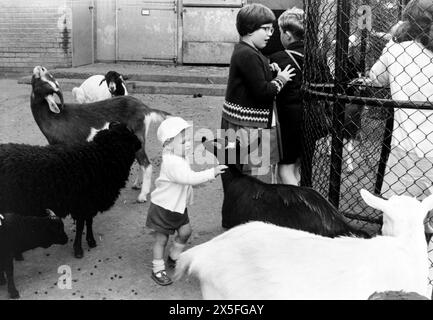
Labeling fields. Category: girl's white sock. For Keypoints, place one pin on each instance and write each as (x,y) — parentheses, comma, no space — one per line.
(176,249)
(158,265)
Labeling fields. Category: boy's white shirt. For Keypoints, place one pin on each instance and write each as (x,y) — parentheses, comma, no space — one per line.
(407,68)
(174,185)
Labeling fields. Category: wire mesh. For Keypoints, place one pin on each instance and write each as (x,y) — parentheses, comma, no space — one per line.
(368,95)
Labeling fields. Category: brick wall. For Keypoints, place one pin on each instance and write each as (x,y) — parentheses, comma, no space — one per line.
(36,32)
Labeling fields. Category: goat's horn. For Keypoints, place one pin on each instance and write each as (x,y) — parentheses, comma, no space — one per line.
(373,201)
(51,214)
(102,81)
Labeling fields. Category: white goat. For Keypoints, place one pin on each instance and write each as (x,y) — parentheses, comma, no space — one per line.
(99,87)
(263,261)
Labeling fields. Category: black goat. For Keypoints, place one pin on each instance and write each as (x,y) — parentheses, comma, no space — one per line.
(249,199)
(71,123)
(20,233)
(81,179)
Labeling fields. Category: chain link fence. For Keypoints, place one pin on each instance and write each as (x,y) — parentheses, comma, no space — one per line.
(363,133)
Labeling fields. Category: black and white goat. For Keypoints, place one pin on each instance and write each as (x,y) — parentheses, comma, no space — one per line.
(20,233)
(99,87)
(79,179)
(72,122)
(246,198)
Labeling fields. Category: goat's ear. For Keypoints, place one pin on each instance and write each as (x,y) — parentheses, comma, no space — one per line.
(373,201)
(102,81)
(52,104)
(427,203)
(123,78)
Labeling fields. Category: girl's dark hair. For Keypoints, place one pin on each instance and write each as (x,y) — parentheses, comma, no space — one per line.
(417,23)
(292,20)
(251,17)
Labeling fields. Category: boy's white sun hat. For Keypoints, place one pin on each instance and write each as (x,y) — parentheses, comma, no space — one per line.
(170,128)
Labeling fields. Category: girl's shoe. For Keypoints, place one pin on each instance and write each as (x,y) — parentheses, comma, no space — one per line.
(161,278)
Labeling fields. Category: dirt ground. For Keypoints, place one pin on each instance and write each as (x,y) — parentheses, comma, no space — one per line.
(120,266)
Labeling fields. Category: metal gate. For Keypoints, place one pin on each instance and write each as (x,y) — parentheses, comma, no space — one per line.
(82,32)
(209,30)
(146,30)
(353,131)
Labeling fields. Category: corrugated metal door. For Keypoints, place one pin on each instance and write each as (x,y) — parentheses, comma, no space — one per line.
(209,30)
(82,32)
(146,30)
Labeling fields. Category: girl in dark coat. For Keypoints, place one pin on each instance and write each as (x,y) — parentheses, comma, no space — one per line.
(251,87)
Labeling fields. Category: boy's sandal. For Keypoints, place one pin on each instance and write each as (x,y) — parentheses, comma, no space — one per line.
(161,278)
(171,263)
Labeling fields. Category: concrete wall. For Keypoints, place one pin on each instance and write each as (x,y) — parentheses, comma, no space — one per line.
(279,4)
(36,32)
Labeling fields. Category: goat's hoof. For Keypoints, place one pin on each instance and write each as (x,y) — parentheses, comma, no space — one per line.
(142,199)
(78,253)
(91,243)
(14,294)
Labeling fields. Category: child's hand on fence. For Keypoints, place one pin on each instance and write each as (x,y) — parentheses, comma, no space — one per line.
(287,73)
(219,169)
(365,81)
(275,67)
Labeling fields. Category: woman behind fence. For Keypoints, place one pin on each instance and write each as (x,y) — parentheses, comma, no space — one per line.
(406,65)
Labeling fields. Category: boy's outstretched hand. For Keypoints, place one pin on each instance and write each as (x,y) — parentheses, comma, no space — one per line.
(219,169)
(287,73)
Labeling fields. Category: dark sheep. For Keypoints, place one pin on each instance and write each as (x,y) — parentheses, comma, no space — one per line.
(246,198)
(81,179)
(22,233)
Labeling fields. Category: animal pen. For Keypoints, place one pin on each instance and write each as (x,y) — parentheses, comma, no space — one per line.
(348,125)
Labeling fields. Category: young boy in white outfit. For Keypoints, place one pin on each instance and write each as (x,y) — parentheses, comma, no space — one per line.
(168,208)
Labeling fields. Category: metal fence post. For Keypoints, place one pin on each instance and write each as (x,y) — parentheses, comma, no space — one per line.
(340,84)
